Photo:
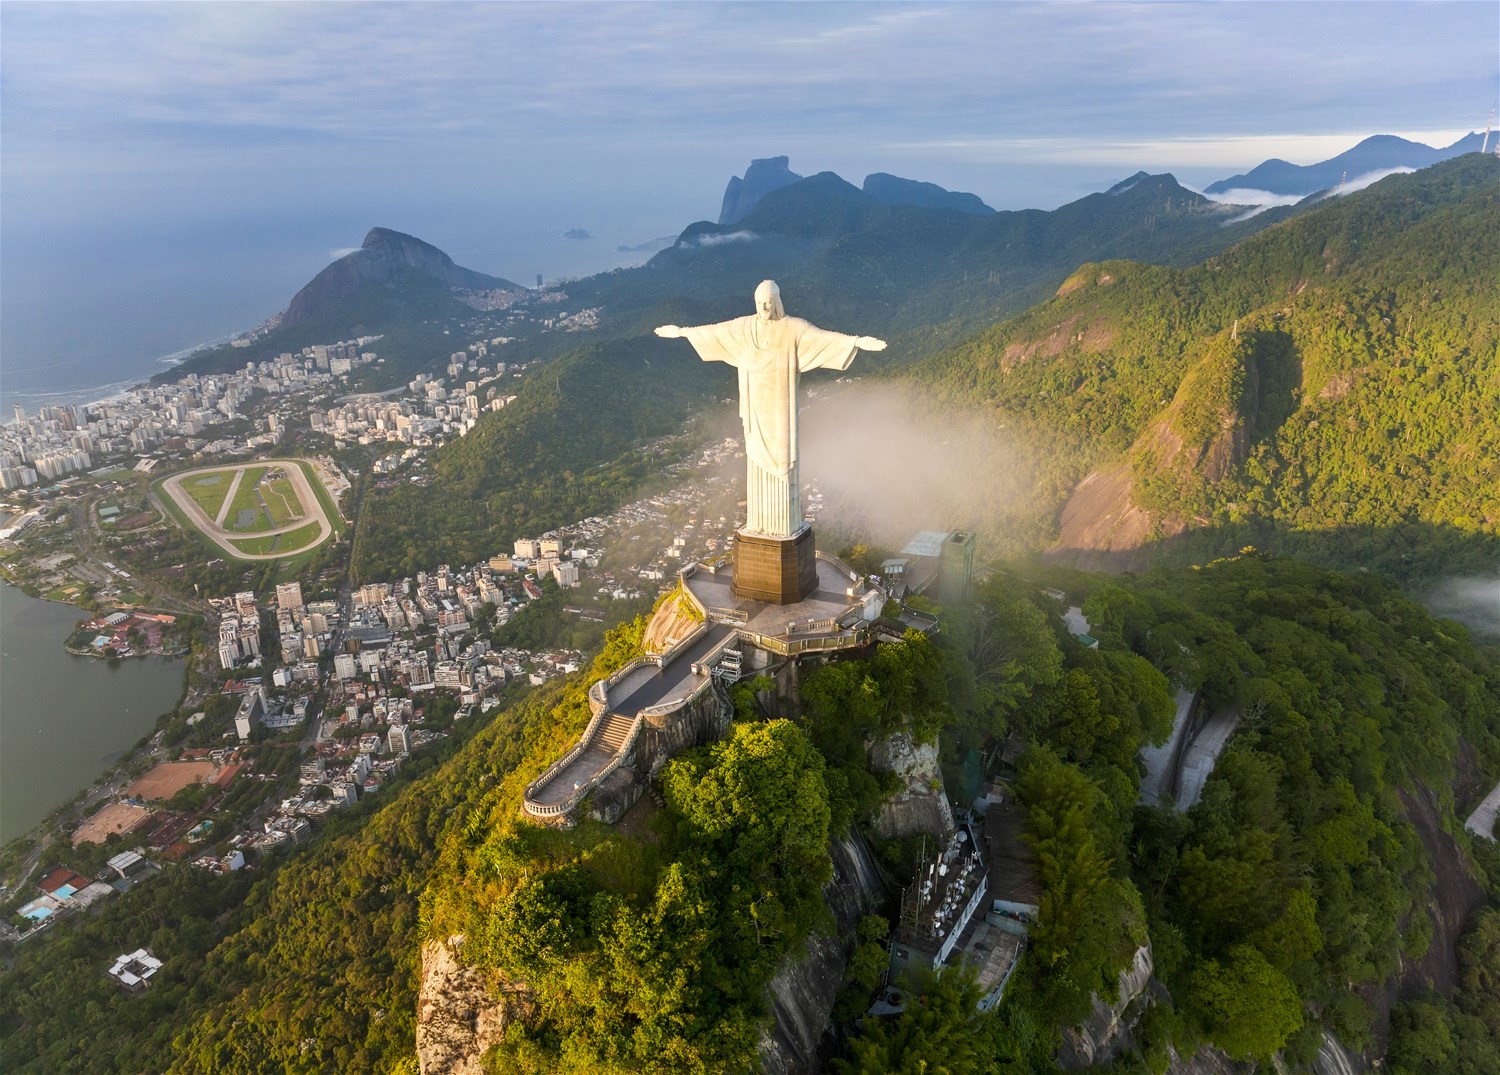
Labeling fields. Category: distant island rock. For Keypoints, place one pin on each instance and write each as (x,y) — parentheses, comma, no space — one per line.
(384,256)
(577,233)
(1378,153)
(762,177)
(659,243)
(893,190)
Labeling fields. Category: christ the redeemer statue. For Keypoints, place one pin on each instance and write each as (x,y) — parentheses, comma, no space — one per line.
(771,350)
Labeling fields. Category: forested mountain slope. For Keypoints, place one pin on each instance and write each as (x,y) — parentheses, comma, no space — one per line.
(840,253)
(1329,387)
(1300,894)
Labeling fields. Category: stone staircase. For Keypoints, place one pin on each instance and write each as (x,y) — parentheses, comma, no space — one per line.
(612,733)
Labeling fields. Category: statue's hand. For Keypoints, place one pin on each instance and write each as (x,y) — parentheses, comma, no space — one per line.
(672,332)
(869,343)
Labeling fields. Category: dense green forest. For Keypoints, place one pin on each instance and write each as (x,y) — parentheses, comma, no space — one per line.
(1327,388)
(1283,903)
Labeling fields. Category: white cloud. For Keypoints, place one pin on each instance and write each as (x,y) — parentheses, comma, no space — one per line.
(720,240)
(1360,182)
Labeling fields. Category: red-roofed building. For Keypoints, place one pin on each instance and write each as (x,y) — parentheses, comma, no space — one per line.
(62,882)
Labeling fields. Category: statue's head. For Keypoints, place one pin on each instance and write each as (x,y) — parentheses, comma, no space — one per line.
(768,301)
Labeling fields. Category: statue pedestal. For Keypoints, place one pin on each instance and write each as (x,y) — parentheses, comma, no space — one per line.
(780,571)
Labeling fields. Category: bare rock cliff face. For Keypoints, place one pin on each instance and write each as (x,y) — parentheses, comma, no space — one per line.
(459,1012)
(1207,1061)
(763,176)
(1107,1029)
(922,803)
(801,995)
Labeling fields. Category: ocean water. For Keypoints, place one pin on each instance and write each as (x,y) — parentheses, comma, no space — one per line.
(85,315)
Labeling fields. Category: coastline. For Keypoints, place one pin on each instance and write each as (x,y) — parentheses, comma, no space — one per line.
(112,390)
(31,592)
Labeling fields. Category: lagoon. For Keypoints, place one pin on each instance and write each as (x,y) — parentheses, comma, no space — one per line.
(64,719)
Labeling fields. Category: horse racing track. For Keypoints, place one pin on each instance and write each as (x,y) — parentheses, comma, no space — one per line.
(263,510)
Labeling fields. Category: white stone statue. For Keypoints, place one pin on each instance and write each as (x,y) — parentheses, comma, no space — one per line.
(771,350)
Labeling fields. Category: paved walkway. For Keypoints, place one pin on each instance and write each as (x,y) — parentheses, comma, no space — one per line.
(578,774)
(673,683)
(642,688)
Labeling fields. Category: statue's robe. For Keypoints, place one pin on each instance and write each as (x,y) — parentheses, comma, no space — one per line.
(770,356)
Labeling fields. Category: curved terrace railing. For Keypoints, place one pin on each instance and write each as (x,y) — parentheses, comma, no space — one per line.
(598,696)
(529,797)
(568,804)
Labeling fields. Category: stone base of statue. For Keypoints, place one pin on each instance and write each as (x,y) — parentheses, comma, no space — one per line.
(780,571)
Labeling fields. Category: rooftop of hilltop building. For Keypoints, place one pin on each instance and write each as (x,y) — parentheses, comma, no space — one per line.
(837,608)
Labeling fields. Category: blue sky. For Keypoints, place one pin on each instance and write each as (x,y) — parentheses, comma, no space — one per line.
(232,104)
(490,128)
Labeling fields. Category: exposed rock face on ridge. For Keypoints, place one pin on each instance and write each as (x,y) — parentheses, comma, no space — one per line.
(922,803)
(893,190)
(1106,1031)
(801,995)
(458,1015)
(384,255)
(762,177)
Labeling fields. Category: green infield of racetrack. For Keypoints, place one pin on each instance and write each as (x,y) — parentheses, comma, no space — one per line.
(281,500)
(246,499)
(207,491)
(289,542)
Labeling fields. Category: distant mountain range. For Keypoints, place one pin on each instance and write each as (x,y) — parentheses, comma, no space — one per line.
(1379,153)
(928,279)
(770,174)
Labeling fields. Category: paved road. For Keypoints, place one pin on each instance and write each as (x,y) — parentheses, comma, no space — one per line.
(1161,768)
(1199,757)
(1482,821)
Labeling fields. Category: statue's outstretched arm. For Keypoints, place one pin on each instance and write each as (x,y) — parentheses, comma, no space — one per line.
(669,332)
(864,343)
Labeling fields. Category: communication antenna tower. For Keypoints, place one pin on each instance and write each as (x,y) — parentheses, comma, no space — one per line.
(1484,147)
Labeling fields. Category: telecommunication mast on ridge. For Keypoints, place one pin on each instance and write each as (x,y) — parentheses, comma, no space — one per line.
(1484,147)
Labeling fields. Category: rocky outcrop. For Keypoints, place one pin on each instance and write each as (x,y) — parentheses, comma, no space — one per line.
(1334,1059)
(801,995)
(893,190)
(459,1012)
(382,259)
(762,177)
(1106,1031)
(1207,1061)
(922,803)
(1454,895)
